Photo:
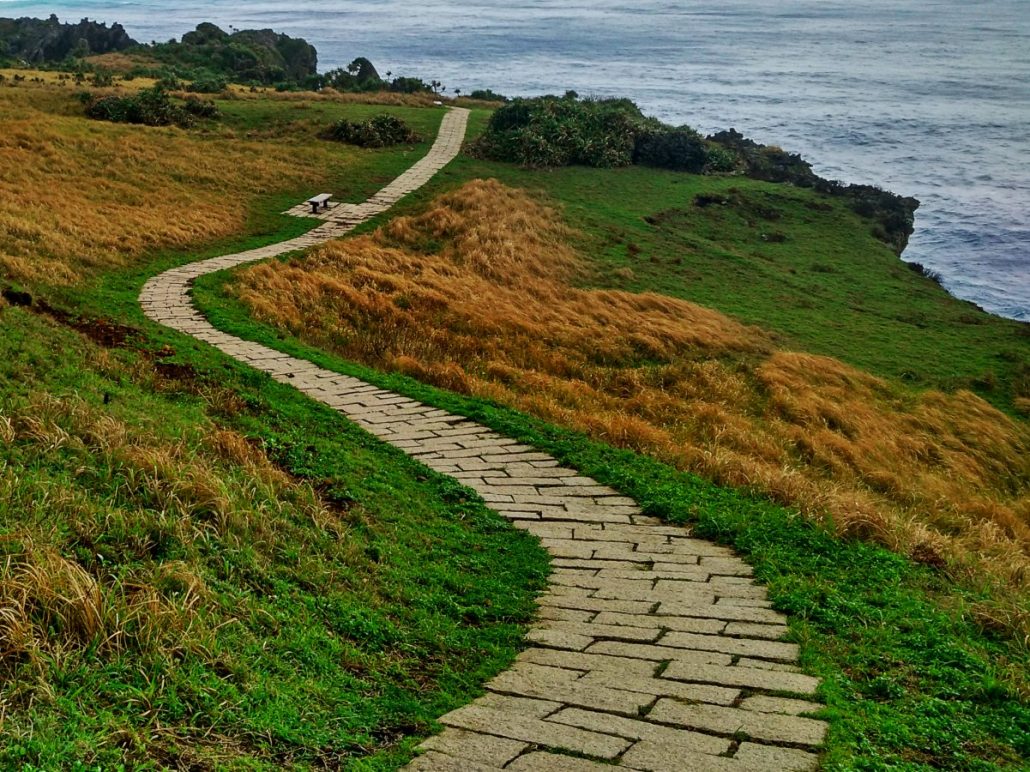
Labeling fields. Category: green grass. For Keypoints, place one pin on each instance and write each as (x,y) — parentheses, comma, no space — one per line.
(337,645)
(911,681)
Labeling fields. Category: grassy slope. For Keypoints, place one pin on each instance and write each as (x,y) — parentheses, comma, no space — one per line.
(830,288)
(333,627)
(912,680)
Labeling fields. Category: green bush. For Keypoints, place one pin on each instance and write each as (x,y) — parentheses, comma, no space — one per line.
(488,95)
(211,84)
(680,149)
(378,131)
(149,107)
(552,131)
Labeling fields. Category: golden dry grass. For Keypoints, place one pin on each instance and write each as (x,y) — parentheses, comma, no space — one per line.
(477,295)
(81,196)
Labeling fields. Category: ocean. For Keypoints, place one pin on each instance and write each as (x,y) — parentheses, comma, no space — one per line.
(929,99)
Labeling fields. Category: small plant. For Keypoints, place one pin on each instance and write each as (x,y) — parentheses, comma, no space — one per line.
(379,131)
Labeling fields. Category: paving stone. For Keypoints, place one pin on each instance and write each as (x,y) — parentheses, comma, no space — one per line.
(564,614)
(537,682)
(741,646)
(541,761)
(439,762)
(472,746)
(788,707)
(730,721)
(533,730)
(654,756)
(558,639)
(770,680)
(658,653)
(662,687)
(686,624)
(749,630)
(571,660)
(607,632)
(594,604)
(729,613)
(764,664)
(635,729)
(752,756)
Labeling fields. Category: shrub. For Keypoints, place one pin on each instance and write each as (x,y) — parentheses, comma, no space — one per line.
(552,131)
(488,95)
(680,149)
(208,85)
(149,107)
(382,130)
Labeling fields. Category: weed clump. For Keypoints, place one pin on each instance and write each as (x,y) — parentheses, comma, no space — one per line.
(382,130)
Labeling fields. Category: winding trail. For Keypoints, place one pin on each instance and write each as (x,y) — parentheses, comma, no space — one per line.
(652,650)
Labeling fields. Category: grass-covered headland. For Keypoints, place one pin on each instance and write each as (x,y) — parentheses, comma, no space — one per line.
(201,568)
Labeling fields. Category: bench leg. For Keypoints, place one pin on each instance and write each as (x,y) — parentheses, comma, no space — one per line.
(314,208)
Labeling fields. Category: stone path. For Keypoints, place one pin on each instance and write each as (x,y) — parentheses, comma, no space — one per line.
(652,650)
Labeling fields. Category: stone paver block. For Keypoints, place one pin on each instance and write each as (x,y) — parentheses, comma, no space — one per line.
(651,756)
(748,677)
(571,660)
(471,746)
(608,632)
(533,683)
(659,653)
(741,646)
(533,730)
(663,687)
(750,630)
(541,761)
(759,758)
(439,762)
(764,704)
(686,624)
(731,721)
(635,729)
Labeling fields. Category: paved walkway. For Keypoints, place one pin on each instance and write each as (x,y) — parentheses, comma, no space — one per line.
(652,651)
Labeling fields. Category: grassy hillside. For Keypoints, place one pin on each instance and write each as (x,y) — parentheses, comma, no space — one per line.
(120,192)
(478,294)
(198,566)
(202,568)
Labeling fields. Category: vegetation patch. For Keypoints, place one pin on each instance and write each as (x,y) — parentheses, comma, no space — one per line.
(551,132)
(378,131)
(137,189)
(199,568)
(149,107)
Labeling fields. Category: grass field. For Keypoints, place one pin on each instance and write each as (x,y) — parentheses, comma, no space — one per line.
(202,568)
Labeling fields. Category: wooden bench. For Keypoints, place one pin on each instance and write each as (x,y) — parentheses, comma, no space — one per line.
(321,200)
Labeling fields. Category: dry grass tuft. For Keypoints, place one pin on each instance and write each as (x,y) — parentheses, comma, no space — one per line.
(477,295)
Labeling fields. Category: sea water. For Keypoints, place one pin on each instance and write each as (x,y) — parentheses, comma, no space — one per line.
(928,98)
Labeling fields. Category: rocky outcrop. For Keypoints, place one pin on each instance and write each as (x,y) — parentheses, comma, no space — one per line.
(48,40)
